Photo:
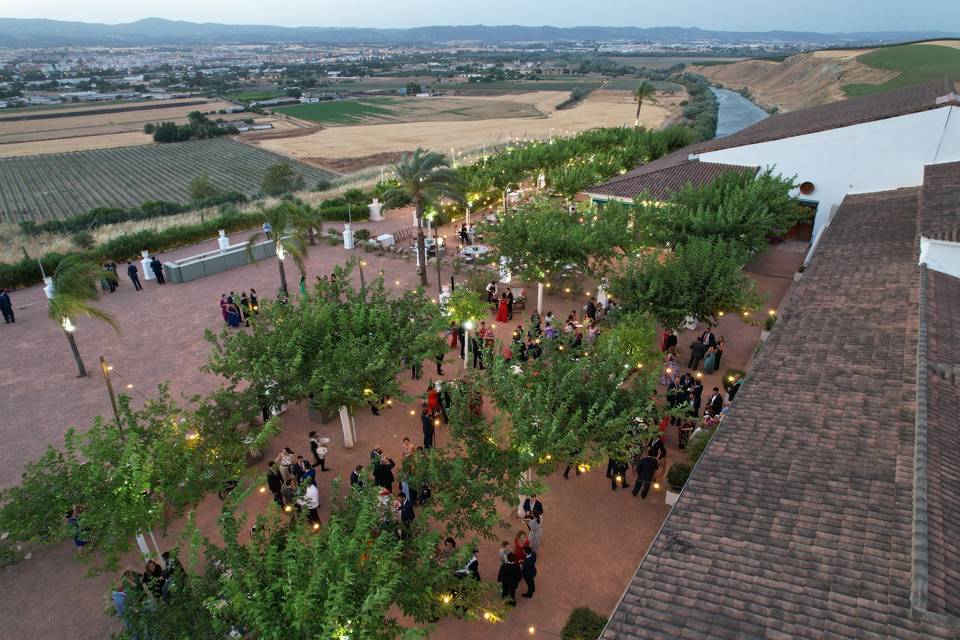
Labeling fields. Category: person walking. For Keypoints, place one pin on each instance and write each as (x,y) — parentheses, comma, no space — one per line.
(509,578)
(646,467)
(112,283)
(529,571)
(318,450)
(429,430)
(134,276)
(157,268)
(6,306)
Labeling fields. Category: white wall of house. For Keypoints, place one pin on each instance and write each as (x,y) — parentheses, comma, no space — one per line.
(874,156)
(941,255)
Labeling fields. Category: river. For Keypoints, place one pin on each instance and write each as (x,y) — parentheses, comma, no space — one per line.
(735,112)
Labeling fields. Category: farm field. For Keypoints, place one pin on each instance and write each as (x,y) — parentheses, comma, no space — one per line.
(57,185)
(523,86)
(630,84)
(665,62)
(600,109)
(913,63)
(381,110)
(99,126)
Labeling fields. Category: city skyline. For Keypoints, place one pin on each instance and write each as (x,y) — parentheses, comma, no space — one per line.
(824,16)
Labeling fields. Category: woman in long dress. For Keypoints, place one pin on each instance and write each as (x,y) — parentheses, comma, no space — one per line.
(710,361)
(233,315)
(224,301)
(502,315)
(536,531)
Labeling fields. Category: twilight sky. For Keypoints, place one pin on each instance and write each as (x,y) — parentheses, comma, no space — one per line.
(735,15)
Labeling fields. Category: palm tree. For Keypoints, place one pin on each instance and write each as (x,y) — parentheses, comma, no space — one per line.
(644,91)
(287,229)
(74,288)
(425,177)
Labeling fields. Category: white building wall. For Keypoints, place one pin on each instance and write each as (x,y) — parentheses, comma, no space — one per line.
(874,156)
(941,255)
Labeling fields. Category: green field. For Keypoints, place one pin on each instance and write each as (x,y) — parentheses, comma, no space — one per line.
(630,84)
(60,184)
(916,63)
(339,111)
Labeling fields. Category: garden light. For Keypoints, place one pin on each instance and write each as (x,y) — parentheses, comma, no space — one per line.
(582,468)
(699,375)
(192,435)
(367,391)
(669,370)
(109,367)
(656,486)
(619,478)
(446,598)
(772,312)
(436,423)
(412,412)
(730,378)
(746,314)
(263,489)
(396,282)
(67,325)
(129,386)
(720,314)
(389,403)
(288,508)
(531,630)
(316,526)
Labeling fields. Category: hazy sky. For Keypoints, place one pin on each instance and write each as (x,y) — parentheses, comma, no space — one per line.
(738,15)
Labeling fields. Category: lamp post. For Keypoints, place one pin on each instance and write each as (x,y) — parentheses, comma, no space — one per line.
(468,326)
(105,369)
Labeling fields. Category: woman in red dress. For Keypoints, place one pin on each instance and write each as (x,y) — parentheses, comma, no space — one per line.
(433,400)
(502,309)
(453,336)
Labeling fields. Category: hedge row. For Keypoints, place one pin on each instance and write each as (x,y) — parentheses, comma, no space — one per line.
(111,215)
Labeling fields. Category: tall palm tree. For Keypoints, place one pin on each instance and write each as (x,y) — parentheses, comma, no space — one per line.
(288,230)
(643,92)
(425,177)
(74,289)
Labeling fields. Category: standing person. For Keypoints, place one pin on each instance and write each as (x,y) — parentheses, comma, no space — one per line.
(646,467)
(531,505)
(254,301)
(233,315)
(461,337)
(492,292)
(153,578)
(518,543)
(224,303)
(535,525)
(715,402)
(429,430)
(311,502)
(454,334)
(134,275)
(710,360)
(113,283)
(504,552)
(289,493)
(509,303)
(503,314)
(318,450)
(383,474)
(708,337)
(509,578)
(356,477)
(618,470)
(157,268)
(657,448)
(285,460)
(246,308)
(6,306)
(697,349)
(529,570)
(406,511)
(464,236)
(303,285)
(592,310)
(472,568)
(721,342)
(275,482)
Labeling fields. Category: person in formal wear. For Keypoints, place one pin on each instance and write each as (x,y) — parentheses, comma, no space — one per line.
(591,310)
(134,275)
(356,476)
(492,292)
(318,450)
(472,568)
(157,267)
(112,282)
(710,360)
(289,493)
(246,308)
(734,388)
(502,314)
(153,578)
(406,449)
(233,315)
(285,460)
(696,390)
(721,343)
(657,448)
(297,469)
(529,570)
(275,482)
(504,552)
(406,510)
(429,430)
(708,338)
(535,525)
(383,473)
(671,339)
(311,502)
(618,470)
(518,542)
(464,236)
(532,504)
(254,301)
(509,578)
(715,402)
(303,285)
(646,467)
(6,306)
(697,349)
(509,303)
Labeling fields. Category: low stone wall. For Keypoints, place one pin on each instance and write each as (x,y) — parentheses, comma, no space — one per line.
(207,264)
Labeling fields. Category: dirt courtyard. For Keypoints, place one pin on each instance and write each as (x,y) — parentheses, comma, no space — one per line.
(594,538)
(601,109)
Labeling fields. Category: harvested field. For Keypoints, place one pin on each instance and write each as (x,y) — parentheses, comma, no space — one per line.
(83,123)
(57,185)
(383,110)
(83,143)
(601,109)
(351,165)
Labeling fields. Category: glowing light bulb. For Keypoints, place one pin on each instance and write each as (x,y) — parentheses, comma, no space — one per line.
(412,412)
(129,386)
(288,508)
(656,486)
(316,526)
(263,489)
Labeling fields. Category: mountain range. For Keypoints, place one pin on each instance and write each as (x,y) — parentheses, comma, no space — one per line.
(15,32)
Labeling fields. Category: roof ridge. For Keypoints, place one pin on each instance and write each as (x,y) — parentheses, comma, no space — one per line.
(920,548)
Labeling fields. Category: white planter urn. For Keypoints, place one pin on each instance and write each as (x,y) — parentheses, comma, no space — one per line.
(347,236)
(670,497)
(222,240)
(764,335)
(376,210)
(145,266)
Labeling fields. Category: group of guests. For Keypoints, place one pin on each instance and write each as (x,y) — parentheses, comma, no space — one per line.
(707,348)
(293,480)
(156,583)
(645,466)
(111,283)
(527,344)
(237,308)
(519,561)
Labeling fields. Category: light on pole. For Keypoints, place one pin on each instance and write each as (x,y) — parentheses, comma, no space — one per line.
(106,369)
(468,326)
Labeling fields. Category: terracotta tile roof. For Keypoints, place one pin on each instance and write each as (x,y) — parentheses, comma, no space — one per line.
(663,177)
(940,212)
(798,522)
(844,113)
(938,421)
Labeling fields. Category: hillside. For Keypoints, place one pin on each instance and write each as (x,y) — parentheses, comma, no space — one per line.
(819,77)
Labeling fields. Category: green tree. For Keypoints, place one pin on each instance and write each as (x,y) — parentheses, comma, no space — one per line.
(288,225)
(201,188)
(701,279)
(413,88)
(281,178)
(74,289)
(643,93)
(424,177)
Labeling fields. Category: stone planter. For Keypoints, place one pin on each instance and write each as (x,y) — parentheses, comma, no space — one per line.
(671,497)
(321,416)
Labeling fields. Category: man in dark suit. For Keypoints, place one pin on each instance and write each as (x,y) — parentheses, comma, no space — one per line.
(646,467)
(6,306)
(157,269)
(697,349)
(509,578)
(697,391)
(356,477)
(383,474)
(275,482)
(509,303)
(529,570)
(532,505)
(134,275)
(426,421)
(708,338)
(715,402)
(406,510)
(592,310)
(657,449)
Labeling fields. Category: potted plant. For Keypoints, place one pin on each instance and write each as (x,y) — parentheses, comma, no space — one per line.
(768,326)
(676,478)
(583,624)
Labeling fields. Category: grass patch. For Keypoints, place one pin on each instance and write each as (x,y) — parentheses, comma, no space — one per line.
(340,111)
(917,63)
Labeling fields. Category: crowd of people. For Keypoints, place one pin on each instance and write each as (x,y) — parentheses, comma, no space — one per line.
(112,282)
(236,308)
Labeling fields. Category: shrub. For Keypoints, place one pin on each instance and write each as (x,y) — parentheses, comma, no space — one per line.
(769,322)
(583,624)
(83,239)
(323,185)
(678,474)
(696,446)
(362,234)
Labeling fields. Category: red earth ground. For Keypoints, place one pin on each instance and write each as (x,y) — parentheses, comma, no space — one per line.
(593,540)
